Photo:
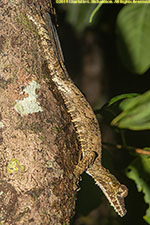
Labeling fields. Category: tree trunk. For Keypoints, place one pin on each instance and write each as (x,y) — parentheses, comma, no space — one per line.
(38,143)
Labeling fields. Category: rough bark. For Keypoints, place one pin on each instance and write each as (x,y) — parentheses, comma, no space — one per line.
(38,144)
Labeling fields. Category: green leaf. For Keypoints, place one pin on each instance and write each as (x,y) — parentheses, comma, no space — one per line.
(120,97)
(147,216)
(139,171)
(133,30)
(135,113)
(111,109)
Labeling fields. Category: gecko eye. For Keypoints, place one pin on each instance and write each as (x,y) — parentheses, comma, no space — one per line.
(108,182)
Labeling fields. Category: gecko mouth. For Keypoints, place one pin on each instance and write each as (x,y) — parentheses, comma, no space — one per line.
(119,206)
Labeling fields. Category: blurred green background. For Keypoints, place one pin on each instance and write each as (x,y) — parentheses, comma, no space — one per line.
(107,53)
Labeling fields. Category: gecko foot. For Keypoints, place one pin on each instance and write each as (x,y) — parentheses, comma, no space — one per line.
(82,166)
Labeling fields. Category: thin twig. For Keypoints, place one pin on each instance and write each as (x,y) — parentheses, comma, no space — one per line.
(137,150)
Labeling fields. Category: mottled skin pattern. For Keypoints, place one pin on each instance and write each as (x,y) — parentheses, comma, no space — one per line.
(82,115)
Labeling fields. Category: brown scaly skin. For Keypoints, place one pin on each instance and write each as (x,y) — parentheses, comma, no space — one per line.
(82,115)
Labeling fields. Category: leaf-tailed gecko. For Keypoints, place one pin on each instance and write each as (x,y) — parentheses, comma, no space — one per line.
(82,116)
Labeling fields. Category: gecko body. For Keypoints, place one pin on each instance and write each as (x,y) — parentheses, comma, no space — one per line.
(82,116)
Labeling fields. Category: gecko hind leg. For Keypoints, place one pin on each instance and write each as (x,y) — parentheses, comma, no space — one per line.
(83,165)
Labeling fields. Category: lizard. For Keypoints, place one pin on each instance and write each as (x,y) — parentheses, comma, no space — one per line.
(82,115)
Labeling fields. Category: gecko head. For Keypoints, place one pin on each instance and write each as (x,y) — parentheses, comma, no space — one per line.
(113,190)
(115,193)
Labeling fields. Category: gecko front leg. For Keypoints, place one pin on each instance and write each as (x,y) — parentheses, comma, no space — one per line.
(84,164)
